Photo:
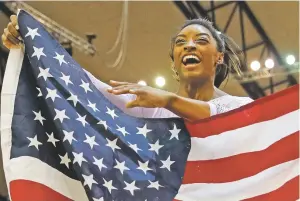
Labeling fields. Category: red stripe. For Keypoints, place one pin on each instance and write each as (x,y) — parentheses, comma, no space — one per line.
(24,190)
(288,192)
(260,110)
(243,165)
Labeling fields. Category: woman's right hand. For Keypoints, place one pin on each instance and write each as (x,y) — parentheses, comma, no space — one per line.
(11,35)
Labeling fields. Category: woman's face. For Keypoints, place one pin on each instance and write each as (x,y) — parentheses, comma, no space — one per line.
(195,54)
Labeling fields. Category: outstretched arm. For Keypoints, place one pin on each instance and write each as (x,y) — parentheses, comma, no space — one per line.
(189,109)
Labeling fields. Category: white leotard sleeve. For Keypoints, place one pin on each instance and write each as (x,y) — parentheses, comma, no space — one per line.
(217,106)
(227,103)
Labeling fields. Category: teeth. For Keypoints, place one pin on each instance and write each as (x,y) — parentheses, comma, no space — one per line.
(190,57)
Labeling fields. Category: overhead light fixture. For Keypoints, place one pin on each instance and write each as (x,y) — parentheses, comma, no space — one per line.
(160,81)
(255,65)
(290,59)
(269,63)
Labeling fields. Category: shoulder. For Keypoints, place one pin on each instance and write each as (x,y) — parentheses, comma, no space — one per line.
(227,102)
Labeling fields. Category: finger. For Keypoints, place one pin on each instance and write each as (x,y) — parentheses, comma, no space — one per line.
(131,89)
(132,104)
(137,91)
(124,90)
(14,21)
(13,30)
(10,37)
(115,88)
(121,87)
(8,44)
(11,46)
(5,42)
(124,86)
(4,39)
(117,83)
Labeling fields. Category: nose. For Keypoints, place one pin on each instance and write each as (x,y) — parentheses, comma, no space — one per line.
(190,46)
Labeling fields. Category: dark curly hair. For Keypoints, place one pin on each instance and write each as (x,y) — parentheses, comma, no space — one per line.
(234,59)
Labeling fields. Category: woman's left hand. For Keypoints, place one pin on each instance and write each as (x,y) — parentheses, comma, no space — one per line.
(145,96)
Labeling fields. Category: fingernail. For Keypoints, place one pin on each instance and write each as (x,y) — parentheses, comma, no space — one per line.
(17,27)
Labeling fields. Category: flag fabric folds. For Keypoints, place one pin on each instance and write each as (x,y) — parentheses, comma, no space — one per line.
(63,140)
(251,153)
(68,140)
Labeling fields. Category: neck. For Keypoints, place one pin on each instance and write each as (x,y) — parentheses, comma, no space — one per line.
(203,90)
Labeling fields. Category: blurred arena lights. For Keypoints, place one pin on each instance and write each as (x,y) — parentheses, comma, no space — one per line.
(290,59)
(255,65)
(160,81)
(269,63)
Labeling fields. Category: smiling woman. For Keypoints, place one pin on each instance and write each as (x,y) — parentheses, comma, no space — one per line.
(220,52)
(202,59)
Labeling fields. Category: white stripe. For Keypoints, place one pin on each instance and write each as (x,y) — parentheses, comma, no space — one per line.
(255,137)
(9,89)
(264,182)
(32,169)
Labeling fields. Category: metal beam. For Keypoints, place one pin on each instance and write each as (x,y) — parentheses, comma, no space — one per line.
(221,5)
(249,47)
(271,47)
(54,28)
(275,85)
(186,12)
(213,16)
(242,30)
(253,90)
(292,80)
(261,31)
(230,18)
(5,10)
(266,73)
(271,85)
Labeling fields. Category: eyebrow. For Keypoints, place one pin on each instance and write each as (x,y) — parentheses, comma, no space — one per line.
(199,34)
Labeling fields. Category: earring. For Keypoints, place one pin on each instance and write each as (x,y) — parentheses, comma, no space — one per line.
(175,75)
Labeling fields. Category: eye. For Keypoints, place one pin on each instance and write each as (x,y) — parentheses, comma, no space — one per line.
(202,40)
(179,41)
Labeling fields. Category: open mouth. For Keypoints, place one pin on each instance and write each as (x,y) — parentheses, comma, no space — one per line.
(190,60)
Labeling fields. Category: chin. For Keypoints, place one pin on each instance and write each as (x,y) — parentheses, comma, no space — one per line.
(198,76)
(193,76)
(197,72)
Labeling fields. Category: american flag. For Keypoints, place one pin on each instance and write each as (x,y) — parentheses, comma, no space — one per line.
(63,140)
(65,134)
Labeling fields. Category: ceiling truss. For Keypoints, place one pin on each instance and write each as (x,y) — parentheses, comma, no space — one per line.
(195,9)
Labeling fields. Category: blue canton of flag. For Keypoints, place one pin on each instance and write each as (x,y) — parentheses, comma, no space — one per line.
(61,120)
